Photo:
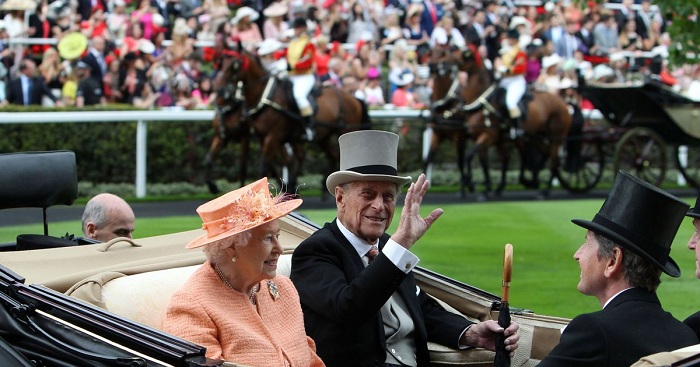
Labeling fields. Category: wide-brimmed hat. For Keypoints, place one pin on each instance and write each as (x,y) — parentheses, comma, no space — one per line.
(72,46)
(566,83)
(240,210)
(146,47)
(367,155)
(551,60)
(276,9)
(641,218)
(401,77)
(694,212)
(517,21)
(268,46)
(243,12)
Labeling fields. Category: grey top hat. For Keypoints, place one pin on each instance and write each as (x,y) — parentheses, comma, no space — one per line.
(641,218)
(694,212)
(367,155)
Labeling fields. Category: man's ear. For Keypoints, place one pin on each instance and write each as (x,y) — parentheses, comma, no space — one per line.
(613,265)
(90,230)
(339,198)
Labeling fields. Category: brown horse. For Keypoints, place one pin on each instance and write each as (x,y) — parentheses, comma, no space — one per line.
(546,124)
(448,121)
(268,106)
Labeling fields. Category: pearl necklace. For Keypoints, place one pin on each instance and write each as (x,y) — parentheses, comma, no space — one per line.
(251,298)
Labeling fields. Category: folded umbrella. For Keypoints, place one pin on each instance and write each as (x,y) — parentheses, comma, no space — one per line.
(502,358)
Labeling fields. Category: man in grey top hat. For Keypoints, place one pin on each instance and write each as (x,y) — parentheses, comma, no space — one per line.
(627,247)
(360,301)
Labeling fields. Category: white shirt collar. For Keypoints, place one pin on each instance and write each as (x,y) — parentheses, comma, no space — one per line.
(613,297)
(360,245)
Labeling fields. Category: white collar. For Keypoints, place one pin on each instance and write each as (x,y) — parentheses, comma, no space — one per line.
(613,297)
(360,245)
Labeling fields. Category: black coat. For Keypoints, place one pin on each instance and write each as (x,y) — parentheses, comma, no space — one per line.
(37,90)
(633,325)
(341,300)
(694,322)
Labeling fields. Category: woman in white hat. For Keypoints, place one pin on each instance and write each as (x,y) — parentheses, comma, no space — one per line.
(275,27)
(236,305)
(245,29)
(550,77)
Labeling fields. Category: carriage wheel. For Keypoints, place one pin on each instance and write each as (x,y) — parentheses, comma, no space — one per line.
(585,172)
(642,153)
(691,169)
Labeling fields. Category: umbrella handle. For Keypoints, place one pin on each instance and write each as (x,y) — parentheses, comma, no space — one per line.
(507,272)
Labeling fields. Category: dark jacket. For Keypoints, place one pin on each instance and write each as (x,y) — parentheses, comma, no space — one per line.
(633,325)
(37,90)
(341,300)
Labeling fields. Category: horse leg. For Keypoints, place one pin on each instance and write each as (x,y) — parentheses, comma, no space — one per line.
(430,143)
(504,154)
(216,145)
(332,159)
(460,145)
(484,162)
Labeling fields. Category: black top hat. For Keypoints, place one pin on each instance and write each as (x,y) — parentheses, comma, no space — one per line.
(694,212)
(641,218)
(299,22)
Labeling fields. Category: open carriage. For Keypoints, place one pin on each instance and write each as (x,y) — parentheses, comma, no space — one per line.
(649,125)
(103,304)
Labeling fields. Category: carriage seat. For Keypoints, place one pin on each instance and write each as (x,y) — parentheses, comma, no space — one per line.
(144,297)
(37,180)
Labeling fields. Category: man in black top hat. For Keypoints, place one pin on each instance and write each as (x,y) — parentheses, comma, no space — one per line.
(694,245)
(627,247)
(360,300)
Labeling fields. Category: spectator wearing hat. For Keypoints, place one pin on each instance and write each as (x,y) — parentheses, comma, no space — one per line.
(323,57)
(301,56)
(373,92)
(355,281)
(550,78)
(512,69)
(28,88)
(366,56)
(89,90)
(402,97)
(625,251)
(245,29)
(423,86)
(274,25)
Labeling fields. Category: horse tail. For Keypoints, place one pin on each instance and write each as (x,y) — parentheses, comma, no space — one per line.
(574,140)
(366,123)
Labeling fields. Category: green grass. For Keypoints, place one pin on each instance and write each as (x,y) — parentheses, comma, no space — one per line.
(467,242)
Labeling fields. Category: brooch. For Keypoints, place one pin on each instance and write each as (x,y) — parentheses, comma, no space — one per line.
(274,292)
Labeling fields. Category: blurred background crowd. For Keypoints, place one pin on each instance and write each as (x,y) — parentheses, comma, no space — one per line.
(163,53)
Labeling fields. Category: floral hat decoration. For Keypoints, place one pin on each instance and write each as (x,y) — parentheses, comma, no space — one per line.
(240,210)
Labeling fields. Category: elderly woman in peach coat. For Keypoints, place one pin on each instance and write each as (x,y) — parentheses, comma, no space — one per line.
(236,305)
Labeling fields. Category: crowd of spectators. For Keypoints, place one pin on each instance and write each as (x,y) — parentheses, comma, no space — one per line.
(159,53)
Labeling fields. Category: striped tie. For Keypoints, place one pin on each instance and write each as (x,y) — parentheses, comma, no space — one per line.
(372,253)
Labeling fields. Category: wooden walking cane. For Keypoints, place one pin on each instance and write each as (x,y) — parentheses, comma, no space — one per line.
(502,358)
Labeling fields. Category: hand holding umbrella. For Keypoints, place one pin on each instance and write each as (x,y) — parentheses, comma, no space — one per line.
(502,358)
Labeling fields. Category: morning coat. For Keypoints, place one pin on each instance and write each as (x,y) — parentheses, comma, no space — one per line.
(341,300)
(631,326)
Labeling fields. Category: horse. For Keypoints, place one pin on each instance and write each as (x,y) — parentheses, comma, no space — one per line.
(268,106)
(546,120)
(447,122)
(228,127)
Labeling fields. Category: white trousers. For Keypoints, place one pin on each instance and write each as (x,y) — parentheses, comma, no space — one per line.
(515,87)
(302,87)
